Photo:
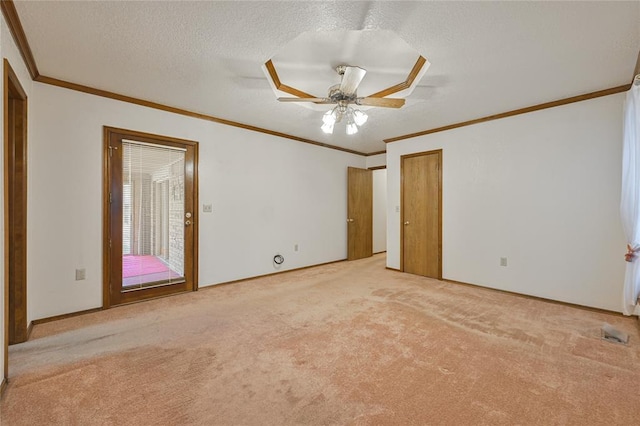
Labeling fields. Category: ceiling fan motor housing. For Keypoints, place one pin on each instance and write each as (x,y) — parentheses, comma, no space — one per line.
(336,95)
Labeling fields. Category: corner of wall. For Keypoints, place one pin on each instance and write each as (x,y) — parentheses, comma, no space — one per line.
(377,160)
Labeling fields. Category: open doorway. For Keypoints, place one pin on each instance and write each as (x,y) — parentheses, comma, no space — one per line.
(379,210)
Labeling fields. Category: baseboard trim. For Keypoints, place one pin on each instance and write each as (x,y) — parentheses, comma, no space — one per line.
(90,311)
(270,274)
(29,330)
(64,316)
(573,305)
(380,252)
(542,299)
(3,386)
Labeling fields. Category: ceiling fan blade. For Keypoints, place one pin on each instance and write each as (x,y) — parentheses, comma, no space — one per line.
(381,102)
(351,80)
(314,100)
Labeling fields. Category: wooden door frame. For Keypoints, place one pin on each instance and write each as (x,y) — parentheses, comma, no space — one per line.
(108,132)
(15,118)
(402,158)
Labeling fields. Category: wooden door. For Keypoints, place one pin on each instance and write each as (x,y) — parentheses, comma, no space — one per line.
(359,213)
(151,216)
(421,176)
(15,152)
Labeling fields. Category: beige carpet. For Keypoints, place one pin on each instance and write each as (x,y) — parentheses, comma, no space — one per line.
(348,343)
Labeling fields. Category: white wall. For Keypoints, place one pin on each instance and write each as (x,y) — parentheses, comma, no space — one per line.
(376,160)
(379,202)
(379,210)
(9,51)
(268,194)
(542,189)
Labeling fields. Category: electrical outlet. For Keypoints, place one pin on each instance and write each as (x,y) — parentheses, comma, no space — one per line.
(295,248)
(80,274)
(207,208)
(503,261)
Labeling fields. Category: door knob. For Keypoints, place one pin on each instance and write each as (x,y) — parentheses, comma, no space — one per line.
(349,220)
(406,223)
(187,222)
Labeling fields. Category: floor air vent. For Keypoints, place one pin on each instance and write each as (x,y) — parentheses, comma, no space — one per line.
(613,335)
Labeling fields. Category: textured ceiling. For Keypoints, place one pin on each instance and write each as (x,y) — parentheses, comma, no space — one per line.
(207,57)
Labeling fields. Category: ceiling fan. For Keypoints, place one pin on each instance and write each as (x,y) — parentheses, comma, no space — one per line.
(345,94)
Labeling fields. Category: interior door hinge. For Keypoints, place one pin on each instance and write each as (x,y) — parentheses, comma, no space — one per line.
(110,198)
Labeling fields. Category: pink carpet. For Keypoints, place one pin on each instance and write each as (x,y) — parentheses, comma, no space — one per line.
(142,265)
(348,343)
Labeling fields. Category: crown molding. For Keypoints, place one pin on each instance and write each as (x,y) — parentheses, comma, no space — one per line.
(15,27)
(180,111)
(17,31)
(19,36)
(533,108)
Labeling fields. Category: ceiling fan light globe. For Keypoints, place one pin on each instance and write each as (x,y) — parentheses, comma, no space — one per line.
(359,117)
(329,117)
(327,128)
(352,129)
